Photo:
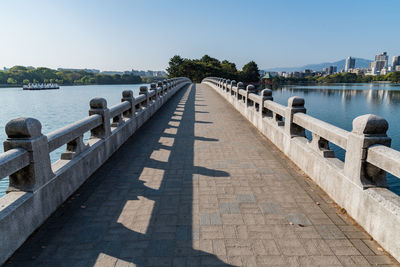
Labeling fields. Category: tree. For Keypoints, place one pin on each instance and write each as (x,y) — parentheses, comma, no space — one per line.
(198,69)
(11,81)
(174,63)
(250,72)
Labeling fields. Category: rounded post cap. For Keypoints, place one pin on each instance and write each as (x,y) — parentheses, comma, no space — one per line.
(23,128)
(250,87)
(164,82)
(127,94)
(153,86)
(266,92)
(159,84)
(228,81)
(296,101)
(240,85)
(143,88)
(233,82)
(370,124)
(98,103)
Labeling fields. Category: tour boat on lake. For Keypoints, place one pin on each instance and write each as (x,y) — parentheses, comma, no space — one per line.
(41,86)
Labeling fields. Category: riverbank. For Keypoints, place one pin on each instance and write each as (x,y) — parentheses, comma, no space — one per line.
(393,77)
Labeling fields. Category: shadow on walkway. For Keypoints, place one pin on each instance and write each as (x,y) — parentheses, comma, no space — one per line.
(139,207)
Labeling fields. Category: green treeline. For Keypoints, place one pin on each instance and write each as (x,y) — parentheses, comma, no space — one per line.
(19,75)
(198,69)
(340,78)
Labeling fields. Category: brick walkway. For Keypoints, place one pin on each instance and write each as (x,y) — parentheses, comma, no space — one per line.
(199,186)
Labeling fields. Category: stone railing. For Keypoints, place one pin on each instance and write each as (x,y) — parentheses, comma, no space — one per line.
(38,187)
(358,184)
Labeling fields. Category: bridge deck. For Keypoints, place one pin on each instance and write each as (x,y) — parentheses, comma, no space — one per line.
(199,186)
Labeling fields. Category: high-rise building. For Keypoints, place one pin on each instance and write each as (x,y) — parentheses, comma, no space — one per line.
(350,64)
(381,61)
(332,69)
(395,62)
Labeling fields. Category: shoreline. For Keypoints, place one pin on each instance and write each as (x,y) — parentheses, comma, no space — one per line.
(20,86)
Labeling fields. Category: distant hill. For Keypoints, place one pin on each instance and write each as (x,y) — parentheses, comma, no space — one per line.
(360,63)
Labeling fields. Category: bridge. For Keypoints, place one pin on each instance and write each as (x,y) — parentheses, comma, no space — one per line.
(203,174)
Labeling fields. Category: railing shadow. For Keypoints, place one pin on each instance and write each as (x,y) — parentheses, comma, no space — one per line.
(137,208)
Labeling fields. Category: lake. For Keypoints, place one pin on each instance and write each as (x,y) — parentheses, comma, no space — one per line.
(337,104)
(54,108)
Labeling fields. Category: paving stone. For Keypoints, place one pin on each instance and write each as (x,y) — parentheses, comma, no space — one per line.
(298,218)
(268,208)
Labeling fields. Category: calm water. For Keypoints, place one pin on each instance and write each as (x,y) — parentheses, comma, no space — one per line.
(54,108)
(339,104)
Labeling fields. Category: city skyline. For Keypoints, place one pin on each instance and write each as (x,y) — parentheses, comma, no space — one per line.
(125,35)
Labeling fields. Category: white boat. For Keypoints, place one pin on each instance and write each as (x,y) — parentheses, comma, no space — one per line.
(41,86)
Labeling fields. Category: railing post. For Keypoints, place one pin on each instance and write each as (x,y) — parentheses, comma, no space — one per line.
(165,87)
(227,85)
(127,95)
(266,94)
(239,86)
(160,87)
(248,89)
(26,133)
(233,84)
(98,106)
(153,87)
(145,91)
(367,130)
(295,105)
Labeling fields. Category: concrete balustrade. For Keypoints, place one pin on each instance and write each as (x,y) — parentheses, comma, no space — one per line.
(358,184)
(37,187)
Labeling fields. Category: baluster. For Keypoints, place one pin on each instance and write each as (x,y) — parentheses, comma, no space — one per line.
(26,133)
(98,106)
(74,148)
(321,146)
(266,94)
(367,130)
(127,95)
(295,105)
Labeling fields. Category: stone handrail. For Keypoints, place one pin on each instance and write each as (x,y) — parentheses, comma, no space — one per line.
(70,132)
(384,158)
(13,160)
(329,132)
(358,184)
(37,187)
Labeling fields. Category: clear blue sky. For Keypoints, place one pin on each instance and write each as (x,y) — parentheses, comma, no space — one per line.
(122,34)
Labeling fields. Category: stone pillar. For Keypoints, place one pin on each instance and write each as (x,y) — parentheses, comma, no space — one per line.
(248,89)
(266,94)
(160,87)
(165,86)
(367,130)
(233,84)
(227,85)
(98,106)
(240,85)
(295,105)
(26,133)
(127,95)
(145,91)
(153,87)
